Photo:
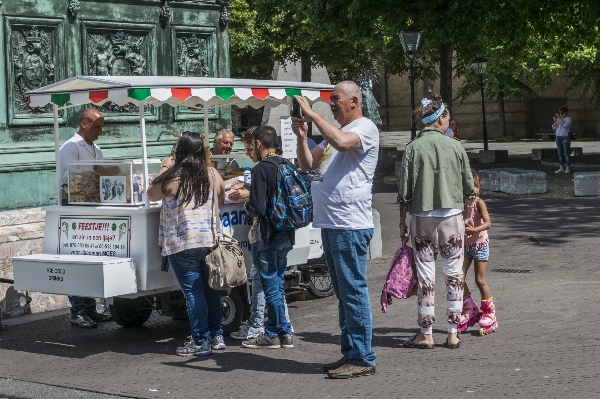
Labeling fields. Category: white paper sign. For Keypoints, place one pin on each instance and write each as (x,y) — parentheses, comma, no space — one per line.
(95,236)
(288,138)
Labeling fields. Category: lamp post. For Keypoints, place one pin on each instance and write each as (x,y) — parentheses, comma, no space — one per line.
(410,38)
(480,67)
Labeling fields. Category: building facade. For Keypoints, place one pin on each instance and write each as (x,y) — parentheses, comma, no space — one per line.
(524,118)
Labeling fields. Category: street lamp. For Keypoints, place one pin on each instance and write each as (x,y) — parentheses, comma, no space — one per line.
(430,89)
(410,38)
(480,67)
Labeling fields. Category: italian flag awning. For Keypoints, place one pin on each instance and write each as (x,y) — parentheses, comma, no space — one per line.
(175,90)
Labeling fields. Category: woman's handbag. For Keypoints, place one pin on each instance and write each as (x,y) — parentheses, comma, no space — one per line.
(226,267)
(401,281)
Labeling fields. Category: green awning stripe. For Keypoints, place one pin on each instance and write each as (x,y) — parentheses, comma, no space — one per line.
(224,93)
(139,94)
(60,99)
(293,92)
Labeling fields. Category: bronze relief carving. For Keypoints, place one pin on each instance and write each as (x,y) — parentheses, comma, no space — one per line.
(165,14)
(117,54)
(224,16)
(72,10)
(192,57)
(33,62)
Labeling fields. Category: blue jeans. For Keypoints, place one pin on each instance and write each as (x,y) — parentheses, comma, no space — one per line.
(346,256)
(271,264)
(257,308)
(88,305)
(203,303)
(563,144)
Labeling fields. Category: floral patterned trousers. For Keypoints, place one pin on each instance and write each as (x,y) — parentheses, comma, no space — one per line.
(445,235)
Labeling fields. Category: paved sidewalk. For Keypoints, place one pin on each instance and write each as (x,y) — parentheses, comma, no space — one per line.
(547,344)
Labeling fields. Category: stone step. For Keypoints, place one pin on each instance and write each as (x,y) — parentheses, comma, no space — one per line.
(586,184)
(513,180)
(493,156)
(537,154)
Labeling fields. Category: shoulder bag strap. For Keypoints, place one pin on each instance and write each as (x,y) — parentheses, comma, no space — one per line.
(215,212)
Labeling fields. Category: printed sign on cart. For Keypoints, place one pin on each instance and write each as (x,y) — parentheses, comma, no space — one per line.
(289,141)
(94,236)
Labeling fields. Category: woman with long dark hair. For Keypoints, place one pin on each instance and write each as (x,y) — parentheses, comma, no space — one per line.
(187,233)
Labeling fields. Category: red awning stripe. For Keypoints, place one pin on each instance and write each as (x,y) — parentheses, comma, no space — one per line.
(181,93)
(98,96)
(261,93)
(325,94)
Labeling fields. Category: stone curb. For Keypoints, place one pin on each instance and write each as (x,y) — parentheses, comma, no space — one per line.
(573,166)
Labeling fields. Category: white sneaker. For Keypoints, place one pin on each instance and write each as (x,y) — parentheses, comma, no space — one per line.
(567,170)
(247,332)
(561,170)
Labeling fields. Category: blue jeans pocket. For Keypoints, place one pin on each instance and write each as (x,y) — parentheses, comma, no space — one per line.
(185,259)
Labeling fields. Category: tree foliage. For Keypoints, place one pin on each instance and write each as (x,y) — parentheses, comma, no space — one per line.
(527,42)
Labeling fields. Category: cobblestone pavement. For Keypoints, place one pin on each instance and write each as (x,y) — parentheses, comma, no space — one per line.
(547,343)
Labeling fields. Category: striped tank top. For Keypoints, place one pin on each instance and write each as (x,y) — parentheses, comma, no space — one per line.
(182,227)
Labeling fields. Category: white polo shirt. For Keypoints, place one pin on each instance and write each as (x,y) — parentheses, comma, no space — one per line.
(76,149)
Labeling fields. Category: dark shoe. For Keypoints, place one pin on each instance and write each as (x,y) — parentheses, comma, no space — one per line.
(410,343)
(262,341)
(336,364)
(286,341)
(351,369)
(453,346)
(82,320)
(100,317)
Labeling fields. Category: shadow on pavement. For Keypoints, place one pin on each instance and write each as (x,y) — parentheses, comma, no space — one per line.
(247,359)
(549,221)
(56,337)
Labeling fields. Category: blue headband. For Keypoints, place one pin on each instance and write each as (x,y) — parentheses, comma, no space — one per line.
(433,117)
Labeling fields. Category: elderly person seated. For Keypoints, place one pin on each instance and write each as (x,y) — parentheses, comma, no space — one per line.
(222,144)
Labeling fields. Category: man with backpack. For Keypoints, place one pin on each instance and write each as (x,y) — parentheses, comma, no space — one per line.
(342,209)
(278,204)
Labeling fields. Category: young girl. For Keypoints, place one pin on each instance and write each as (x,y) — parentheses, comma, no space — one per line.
(477,248)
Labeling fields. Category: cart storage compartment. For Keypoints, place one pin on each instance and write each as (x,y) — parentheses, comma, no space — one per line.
(88,276)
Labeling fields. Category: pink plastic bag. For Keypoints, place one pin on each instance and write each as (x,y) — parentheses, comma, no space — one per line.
(401,281)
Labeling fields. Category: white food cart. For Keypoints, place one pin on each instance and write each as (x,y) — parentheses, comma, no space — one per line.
(106,246)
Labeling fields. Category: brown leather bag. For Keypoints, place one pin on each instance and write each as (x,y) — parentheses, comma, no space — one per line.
(226,267)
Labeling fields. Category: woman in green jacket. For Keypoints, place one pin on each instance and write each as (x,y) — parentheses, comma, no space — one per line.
(435,183)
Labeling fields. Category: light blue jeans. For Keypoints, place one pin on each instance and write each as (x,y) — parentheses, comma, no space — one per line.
(257,309)
(346,256)
(203,303)
(563,145)
(271,264)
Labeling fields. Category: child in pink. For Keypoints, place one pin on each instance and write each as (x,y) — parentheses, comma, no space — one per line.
(477,250)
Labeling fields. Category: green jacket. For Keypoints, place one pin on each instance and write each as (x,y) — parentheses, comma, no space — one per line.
(435,173)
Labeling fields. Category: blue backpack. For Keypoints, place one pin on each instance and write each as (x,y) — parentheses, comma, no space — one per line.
(291,208)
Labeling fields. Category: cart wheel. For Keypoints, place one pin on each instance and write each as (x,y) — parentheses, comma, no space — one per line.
(319,283)
(232,307)
(130,312)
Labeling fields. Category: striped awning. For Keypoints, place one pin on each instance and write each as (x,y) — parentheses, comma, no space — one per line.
(175,90)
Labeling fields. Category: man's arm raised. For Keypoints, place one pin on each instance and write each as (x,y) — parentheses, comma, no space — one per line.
(341,141)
